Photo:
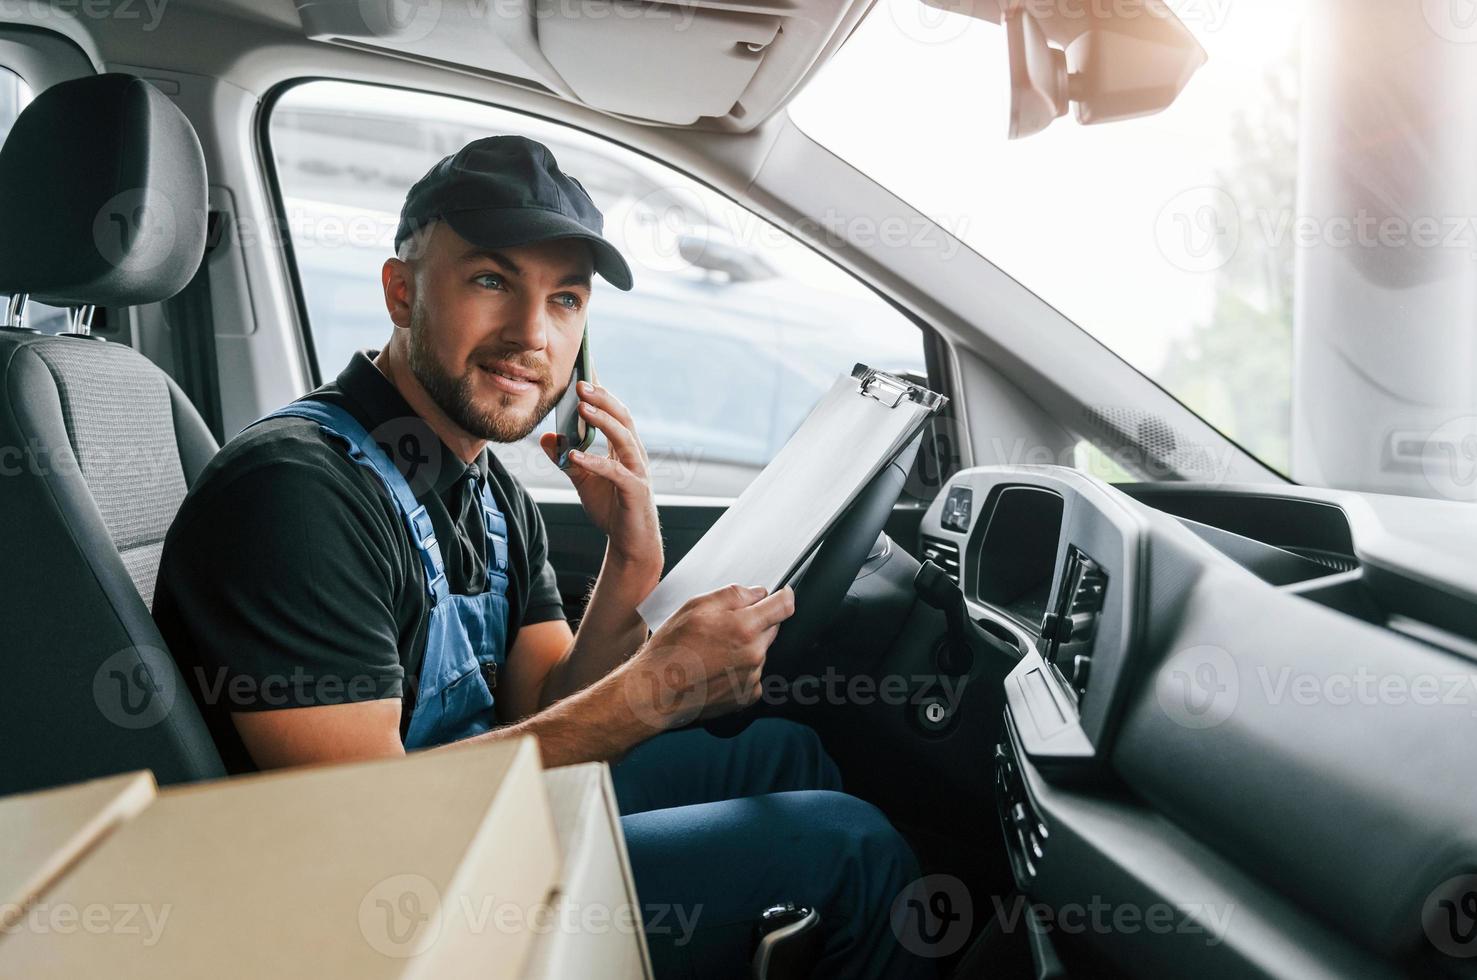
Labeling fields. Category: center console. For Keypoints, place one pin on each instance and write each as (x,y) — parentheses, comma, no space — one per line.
(1053,555)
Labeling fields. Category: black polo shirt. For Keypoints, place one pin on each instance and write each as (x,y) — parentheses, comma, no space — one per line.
(288,578)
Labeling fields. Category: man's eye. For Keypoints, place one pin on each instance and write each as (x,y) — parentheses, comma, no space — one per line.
(568,300)
(489,281)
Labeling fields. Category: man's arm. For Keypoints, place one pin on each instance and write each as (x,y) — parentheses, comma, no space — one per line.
(322,734)
(616,493)
(705,661)
(592,725)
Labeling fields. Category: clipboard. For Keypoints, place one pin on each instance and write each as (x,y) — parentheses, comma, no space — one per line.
(856,429)
(892,391)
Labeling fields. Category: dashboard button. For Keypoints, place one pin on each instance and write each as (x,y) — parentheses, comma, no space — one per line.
(957,507)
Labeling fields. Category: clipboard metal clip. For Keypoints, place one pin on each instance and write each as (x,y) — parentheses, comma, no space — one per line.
(891,390)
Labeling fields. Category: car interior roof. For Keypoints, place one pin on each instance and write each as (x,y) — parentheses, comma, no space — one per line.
(256,46)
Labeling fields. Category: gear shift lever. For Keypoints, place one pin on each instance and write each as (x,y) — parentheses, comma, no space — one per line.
(789,944)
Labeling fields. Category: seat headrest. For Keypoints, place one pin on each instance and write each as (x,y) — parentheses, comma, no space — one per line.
(102,195)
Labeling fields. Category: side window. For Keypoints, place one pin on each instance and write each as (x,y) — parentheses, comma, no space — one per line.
(733,330)
(15,95)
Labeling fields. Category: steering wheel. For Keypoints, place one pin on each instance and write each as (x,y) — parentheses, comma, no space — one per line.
(823,578)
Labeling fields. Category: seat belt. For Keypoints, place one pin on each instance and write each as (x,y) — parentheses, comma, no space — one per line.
(191,320)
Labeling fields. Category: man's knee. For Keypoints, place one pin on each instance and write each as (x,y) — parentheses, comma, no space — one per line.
(863,837)
(856,858)
(800,749)
(819,848)
(872,866)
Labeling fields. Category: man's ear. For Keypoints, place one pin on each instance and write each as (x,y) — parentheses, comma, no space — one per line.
(398,280)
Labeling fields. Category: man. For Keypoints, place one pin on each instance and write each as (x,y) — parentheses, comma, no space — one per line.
(356,576)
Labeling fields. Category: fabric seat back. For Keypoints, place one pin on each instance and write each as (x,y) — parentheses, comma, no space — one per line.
(97,445)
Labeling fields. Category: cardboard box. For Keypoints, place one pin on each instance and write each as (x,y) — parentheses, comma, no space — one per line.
(43,834)
(593,926)
(391,869)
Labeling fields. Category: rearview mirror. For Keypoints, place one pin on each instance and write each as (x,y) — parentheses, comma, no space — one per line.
(1109,61)
(1038,75)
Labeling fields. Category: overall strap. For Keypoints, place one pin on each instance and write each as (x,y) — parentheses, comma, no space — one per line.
(497,531)
(337,422)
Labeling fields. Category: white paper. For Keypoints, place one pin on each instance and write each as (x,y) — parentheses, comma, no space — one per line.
(845,441)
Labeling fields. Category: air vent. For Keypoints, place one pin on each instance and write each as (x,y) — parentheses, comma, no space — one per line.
(944,554)
(1088,596)
(1069,631)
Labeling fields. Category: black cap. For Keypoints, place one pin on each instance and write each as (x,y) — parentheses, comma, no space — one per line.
(503,191)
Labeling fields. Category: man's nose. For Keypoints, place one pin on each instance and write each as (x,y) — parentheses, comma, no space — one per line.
(526,325)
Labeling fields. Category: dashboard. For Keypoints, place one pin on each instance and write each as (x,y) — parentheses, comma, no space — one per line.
(1055,556)
(1153,748)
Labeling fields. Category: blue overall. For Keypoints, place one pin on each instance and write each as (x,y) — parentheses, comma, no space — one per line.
(467,635)
(717,829)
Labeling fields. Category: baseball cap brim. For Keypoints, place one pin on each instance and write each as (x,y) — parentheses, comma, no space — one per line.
(510,227)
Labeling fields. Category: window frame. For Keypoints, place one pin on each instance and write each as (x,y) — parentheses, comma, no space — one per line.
(936,349)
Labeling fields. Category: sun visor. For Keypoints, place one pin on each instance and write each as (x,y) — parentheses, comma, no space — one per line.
(718,64)
(700,69)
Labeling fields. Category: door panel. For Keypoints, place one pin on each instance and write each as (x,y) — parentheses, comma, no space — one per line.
(577,547)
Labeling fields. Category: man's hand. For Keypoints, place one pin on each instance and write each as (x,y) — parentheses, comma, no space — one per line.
(707,659)
(614,488)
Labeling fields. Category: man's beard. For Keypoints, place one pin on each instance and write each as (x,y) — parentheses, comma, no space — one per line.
(456,396)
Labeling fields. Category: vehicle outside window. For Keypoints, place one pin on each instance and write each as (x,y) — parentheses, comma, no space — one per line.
(15,95)
(733,330)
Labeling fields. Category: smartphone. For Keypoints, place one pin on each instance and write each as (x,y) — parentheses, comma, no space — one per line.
(573,431)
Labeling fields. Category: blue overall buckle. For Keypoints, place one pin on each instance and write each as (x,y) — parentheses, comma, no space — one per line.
(497,536)
(425,540)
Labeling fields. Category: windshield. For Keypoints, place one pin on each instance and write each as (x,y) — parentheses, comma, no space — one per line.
(1288,249)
